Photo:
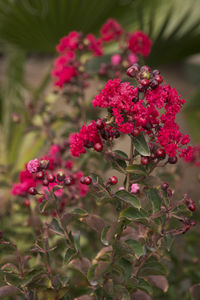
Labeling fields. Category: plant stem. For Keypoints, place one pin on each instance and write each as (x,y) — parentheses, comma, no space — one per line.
(130,163)
(46,250)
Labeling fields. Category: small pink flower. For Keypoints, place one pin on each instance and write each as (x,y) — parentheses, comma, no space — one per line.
(121,188)
(134,188)
(33,165)
(115,59)
(132,58)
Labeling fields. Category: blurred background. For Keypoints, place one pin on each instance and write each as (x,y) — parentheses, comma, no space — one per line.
(29,33)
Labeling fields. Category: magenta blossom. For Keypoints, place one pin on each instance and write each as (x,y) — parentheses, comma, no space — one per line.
(33,165)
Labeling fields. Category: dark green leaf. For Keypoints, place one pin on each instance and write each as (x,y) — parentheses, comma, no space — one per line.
(133,214)
(144,286)
(119,165)
(139,284)
(104,235)
(76,238)
(79,211)
(91,275)
(122,291)
(155,199)
(165,197)
(43,205)
(141,145)
(168,241)
(32,275)
(136,169)
(122,154)
(127,267)
(69,255)
(137,248)
(55,226)
(121,248)
(128,198)
(153,268)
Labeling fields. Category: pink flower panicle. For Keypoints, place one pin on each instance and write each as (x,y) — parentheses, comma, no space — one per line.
(86,138)
(139,43)
(192,155)
(151,107)
(94,44)
(69,42)
(111,31)
(54,165)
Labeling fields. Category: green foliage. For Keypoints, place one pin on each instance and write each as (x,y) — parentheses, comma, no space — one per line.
(155,199)
(128,198)
(141,145)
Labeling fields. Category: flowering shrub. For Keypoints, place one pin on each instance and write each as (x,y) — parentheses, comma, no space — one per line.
(90,235)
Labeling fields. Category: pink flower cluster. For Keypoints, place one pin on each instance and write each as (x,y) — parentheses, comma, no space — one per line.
(139,43)
(192,155)
(87,137)
(43,175)
(150,107)
(26,180)
(67,65)
(111,31)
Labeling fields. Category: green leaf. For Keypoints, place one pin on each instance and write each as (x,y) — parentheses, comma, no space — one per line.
(155,199)
(133,214)
(122,154)
(128,198)
(104,236)
(141,145)
(91,275)
(101,270)
(168,241)
(127,267)
(69,255)
(137,247)
(80,211)
(139,284)
(144,286)
(55,226)
(153,268)
(117,163)
(121,248)
(136,169)
(165,197)
(32,275)
(43,205)
(122,291)
(76,238)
